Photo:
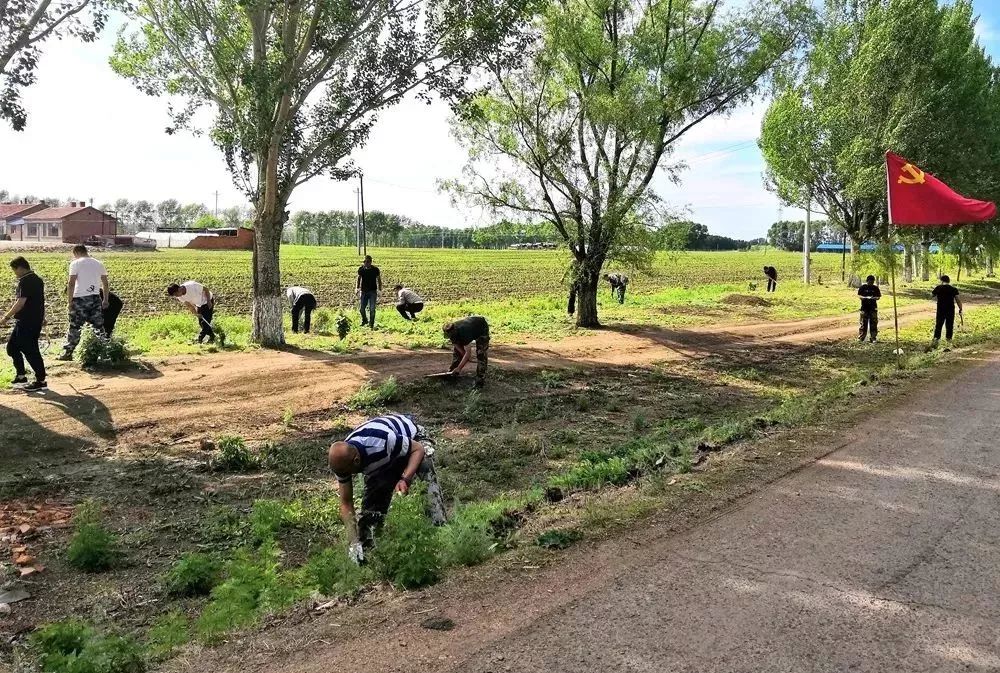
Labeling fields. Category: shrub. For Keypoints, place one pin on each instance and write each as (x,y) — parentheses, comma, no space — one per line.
(408,553)
(558,538)
(193,575)
(343,326)
(93,548)
(73,647)
(266,518)
(467,540)
(371,396)
(168,633)
(234,455)
(97,351)
(333,573)
(322,320)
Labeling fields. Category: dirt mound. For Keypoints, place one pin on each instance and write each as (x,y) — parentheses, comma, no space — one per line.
(745,300)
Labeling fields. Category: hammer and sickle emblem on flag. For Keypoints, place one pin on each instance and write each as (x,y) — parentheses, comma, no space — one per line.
(916,175)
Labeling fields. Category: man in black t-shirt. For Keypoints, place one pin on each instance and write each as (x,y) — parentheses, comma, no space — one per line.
(463,332)
(28,313)
(947,298)
(369,285)
(870,294)
(772,278)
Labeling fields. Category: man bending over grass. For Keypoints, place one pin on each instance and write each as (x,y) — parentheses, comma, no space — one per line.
(303,303)
(462,333)
(390,451)
(618,283)
(200,302)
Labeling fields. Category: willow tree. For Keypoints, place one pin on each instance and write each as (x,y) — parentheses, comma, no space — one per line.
(864,89)
(25,26)
(577,132)
(292,87)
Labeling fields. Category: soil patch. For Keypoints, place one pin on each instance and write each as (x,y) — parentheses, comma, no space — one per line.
(745,300)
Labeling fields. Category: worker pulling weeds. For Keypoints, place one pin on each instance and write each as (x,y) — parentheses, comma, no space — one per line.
(390,451)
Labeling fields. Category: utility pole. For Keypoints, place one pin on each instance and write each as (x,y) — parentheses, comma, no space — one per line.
(806,242)
(357,215)
(217,204)
(364,229)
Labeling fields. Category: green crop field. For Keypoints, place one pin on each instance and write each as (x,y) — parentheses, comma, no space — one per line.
(441,276)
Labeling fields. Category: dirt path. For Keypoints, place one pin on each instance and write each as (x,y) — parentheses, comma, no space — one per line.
(247,393)
(882,555)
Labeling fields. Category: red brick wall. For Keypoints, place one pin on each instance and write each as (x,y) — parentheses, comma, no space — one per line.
(243,240)
(80,226)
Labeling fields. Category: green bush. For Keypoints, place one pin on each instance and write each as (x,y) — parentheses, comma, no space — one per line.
(193,575)
(592,474)
(234,455)
(97,351)
(343,326)
(167,634)
(333,573)
(322,320)
(266,518)
(92,548)
(371,396)
(73,647)
(408,552)
(467,540)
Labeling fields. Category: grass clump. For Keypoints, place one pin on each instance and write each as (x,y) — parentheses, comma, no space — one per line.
(474,407)
(408,553)
(333,573)
(73,647)
(167,635)
(97,351)
(370,396)
(234,456)
(592,474)
(558,538)
(193,574)
(266,518)
(93,548)
(467,539)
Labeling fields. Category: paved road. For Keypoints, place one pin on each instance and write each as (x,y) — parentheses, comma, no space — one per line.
(885,556)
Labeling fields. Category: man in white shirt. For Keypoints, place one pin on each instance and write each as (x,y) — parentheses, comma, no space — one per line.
(302,300)
(197,298)
(87,279)
(409,303)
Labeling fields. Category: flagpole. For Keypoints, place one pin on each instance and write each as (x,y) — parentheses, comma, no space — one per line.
(892,264)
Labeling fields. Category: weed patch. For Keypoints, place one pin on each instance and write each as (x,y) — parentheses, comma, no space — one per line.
(558,538)
(333,573)
(93,548)
(97,351)
(73,647)
(370,396)
(407,554)
(167,635)
(234,456)
(193,575)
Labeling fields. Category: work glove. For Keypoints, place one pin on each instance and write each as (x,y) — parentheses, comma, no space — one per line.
(356,553)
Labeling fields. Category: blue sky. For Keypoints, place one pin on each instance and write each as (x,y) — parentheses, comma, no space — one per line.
(91,135)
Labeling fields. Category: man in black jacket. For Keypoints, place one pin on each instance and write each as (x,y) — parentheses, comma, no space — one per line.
(870,294)
(28,313)
(947,297)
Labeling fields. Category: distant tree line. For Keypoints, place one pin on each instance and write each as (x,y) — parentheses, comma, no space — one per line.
(788,235)
(686,235)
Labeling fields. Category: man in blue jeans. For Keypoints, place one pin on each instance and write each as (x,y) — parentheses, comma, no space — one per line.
(369,285)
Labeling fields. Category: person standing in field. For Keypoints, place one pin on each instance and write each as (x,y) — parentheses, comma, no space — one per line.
(619,283)
(88,282)
(390,451)
(200,302)
(772,278)
(462,333)
(303,301)
(947,297)
(870,294)
(408,303)
(28,313)
(369,285)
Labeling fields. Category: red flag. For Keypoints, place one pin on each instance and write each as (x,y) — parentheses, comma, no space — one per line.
(918,199)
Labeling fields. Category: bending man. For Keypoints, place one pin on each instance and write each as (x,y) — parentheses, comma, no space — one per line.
(302,300)
(200,302)
(88,282)
(462,333)
(390,452)
(619,283)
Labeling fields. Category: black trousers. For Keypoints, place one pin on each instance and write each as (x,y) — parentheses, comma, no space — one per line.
(379,488)
(772,285)
(305,304)
(23,345)
(205,315)
(409,311)
(111,313)
(946,320)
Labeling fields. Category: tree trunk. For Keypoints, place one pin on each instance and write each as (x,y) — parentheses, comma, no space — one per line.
(586,303)
(268,307)
(925,267)
(989,267)
(907,263)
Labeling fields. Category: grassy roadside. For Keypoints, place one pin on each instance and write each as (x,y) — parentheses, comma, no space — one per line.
(536,462)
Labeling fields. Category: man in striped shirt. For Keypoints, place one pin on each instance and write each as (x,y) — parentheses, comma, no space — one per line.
(387,452)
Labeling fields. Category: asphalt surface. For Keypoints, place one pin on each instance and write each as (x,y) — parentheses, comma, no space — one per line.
(884,556)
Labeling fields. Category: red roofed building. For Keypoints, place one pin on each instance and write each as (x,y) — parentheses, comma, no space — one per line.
(73,223)
(15,212)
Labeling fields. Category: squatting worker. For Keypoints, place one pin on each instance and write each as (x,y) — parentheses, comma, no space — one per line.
(303,303)
(200,301)
(88,282)
(947,298)
(386,452)
(618,283)
(28,313)
(408,302)
(870,294)
(369,285)
(113,309)
(462,333)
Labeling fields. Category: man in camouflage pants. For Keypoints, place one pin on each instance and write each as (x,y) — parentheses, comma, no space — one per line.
(462,333)
(88,291)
